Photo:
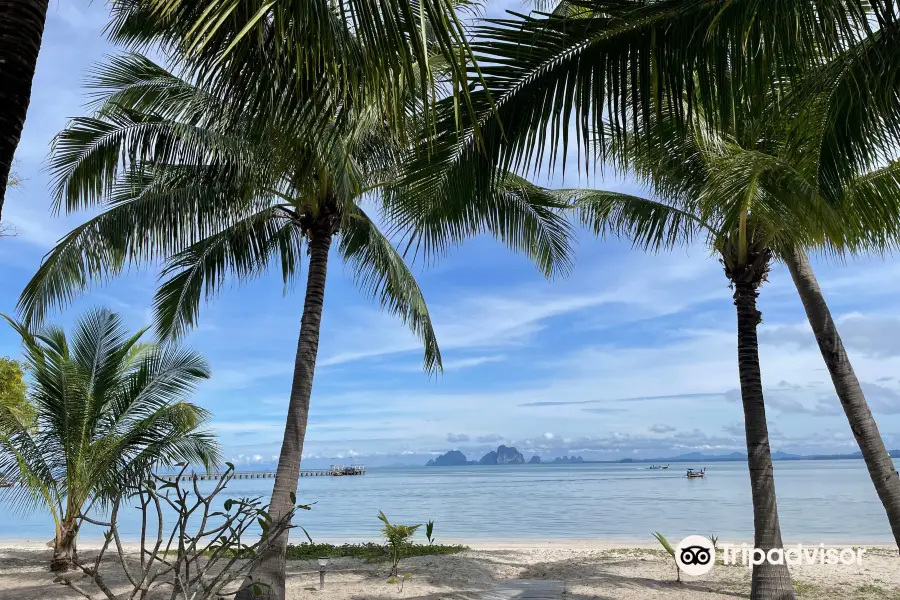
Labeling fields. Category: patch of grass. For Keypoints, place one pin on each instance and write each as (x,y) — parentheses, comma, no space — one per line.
(616,553)
(806,590)
(369,551)
(870,590)
(892,552)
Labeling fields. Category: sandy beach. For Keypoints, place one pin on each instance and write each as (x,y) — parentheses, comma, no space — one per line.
(590,570)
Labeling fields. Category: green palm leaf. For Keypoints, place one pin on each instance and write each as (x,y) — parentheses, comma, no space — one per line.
(361,51)
(242,250)
(381,272)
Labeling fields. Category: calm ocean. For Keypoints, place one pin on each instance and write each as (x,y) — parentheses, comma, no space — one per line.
(818,501)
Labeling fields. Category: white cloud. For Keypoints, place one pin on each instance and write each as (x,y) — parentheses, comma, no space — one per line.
(513,316)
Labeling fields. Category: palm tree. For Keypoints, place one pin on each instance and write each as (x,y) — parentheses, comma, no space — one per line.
(592,61)
(215,202)
(754,195)
(107,409)
(848,122)
(21,29)
(877,458)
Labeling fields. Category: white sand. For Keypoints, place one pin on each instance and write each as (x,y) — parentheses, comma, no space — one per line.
(603,570)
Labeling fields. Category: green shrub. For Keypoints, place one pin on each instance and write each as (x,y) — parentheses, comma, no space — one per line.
(368,551)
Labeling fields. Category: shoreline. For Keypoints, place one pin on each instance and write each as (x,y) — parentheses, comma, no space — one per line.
(89,543)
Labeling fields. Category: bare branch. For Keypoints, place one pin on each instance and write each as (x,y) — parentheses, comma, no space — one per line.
(206,559)
(71,584)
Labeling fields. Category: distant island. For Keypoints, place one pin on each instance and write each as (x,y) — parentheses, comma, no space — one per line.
(503,455)
(454,458)
(567,459)
(740,457)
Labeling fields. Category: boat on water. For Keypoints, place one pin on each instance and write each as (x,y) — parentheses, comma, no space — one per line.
(692,474)
(659,467)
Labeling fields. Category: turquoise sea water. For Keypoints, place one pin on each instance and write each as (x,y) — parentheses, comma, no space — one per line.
(818,501)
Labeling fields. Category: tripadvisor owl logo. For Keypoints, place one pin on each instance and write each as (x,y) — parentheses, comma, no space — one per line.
(695,555)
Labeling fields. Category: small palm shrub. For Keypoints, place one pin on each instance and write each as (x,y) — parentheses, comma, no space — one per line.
(105,409)
(398,538)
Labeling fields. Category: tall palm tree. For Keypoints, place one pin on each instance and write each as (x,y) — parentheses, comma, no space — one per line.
(215,202)
(592,61)
(21,30)
(753,194)
(878,460)
(107,409)
(847,121)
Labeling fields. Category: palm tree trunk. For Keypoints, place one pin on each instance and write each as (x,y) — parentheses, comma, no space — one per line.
(769,581)
(878,461)
(21,30)
(269,572)
(64,552)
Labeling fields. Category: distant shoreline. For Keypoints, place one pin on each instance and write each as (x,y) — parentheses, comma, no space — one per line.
(665,461)
(626,461)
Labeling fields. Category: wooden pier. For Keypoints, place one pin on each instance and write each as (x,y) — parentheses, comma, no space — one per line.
(333,471)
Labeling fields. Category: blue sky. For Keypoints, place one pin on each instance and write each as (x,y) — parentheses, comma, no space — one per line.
(631,355)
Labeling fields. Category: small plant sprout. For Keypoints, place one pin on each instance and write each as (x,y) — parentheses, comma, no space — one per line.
(399,581)
(397,537)
(429,532)
(668,547)
(714,539)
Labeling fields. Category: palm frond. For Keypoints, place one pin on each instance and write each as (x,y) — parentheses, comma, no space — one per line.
(432,217)
(365,51)
(870,207)
(847,112)
(153,212)
(380,272)
(649,224)
(243,250)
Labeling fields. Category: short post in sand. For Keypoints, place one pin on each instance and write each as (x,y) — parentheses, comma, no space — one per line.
(323,561)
